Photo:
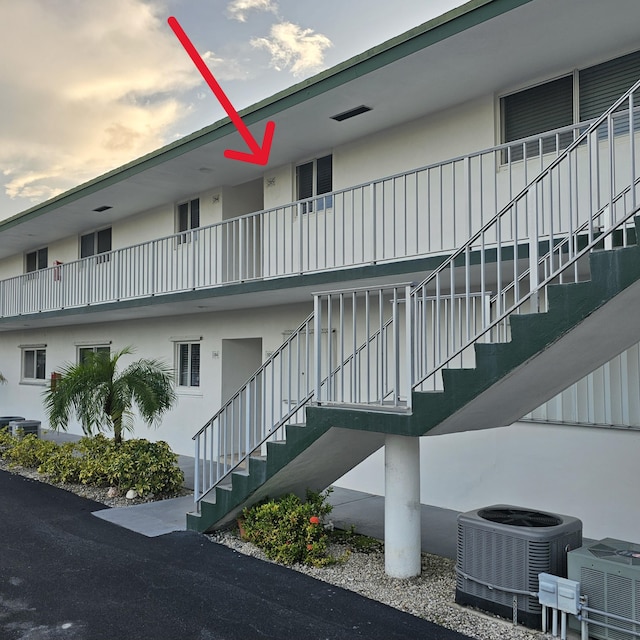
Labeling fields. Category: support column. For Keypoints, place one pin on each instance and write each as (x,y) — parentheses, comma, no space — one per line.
(402,540)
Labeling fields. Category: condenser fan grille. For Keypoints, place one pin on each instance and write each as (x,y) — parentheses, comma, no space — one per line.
(520,517)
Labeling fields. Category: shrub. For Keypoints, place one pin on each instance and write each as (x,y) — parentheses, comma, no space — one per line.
(289,530)
(62,464)
(147,467)
(28,451)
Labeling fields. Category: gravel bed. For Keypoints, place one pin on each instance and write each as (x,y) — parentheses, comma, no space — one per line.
(430,596)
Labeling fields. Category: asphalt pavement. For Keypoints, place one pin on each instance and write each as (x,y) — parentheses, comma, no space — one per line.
(66,575)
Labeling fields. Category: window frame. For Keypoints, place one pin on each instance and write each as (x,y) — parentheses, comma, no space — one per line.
(32,377)
(189,371)
(100,255)
(315,200)
(91,348)
(583,80)
(192,220)
(38,255)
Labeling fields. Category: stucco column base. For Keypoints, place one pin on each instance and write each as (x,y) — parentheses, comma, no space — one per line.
(402,539)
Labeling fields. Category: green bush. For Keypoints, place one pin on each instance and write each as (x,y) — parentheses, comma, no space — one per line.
(290,531)
(147,467)
(62,464)
(28,451)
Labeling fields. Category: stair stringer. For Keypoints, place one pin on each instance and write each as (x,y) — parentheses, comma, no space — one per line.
(547,353)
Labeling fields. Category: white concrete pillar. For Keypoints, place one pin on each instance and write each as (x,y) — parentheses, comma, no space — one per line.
(402,540)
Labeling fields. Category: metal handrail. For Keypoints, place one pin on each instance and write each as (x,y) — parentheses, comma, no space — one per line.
(461,255)
(249,247)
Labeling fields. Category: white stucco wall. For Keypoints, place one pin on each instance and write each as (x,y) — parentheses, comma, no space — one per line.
(152,338)
(591,473)
(463,129)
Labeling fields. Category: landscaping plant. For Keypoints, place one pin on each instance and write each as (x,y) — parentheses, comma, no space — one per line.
(103,398)
(289,530)
(147,467)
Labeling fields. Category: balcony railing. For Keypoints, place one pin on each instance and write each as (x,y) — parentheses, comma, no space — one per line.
(430,210)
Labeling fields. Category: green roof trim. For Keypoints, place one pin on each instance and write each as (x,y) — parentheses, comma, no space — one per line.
(440,28)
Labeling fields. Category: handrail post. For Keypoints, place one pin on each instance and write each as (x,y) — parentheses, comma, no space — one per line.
(317,330)
(409,343)
(241,250)
(300,239)
(196,473)
(248,414)
(534,246)
(396,347)
(373,223)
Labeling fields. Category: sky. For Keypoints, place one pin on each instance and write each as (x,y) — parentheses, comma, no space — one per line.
(89,85)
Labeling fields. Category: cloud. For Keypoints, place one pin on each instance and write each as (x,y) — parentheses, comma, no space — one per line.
(87,86)
(238,9)
(294,48)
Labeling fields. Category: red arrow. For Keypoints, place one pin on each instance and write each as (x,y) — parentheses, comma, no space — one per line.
(259,154)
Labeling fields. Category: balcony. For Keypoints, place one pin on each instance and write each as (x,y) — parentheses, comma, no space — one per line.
(426,211)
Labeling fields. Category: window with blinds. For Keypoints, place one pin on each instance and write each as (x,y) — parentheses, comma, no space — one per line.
(553,105)
(189,364)
(532,111)
(315,178)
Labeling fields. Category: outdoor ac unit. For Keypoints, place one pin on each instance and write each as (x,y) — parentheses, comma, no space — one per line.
(25,427)
(609,575)
(501,551)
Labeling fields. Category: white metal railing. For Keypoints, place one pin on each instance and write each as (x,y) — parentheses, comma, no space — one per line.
(257,412)
(583,201)
(424,211)
(364,366)
(303,369)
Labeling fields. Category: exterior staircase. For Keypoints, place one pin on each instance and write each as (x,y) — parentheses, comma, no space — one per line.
(540,296)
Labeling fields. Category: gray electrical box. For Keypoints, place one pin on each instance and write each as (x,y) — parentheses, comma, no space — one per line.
(548,590)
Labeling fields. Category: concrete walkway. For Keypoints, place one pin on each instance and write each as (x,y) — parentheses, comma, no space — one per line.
(350,508)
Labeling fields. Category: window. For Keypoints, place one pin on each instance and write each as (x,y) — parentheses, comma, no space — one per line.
(188,216)
(314,179)
(188,364)
(583,95)
(543,108)
(36,260)
(34,361)
(95,243)
(83,352)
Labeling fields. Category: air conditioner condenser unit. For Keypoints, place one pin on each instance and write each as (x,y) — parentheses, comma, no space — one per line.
(502,549)
(609,575)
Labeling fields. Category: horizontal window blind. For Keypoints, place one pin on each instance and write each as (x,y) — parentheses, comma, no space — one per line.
(602,85)
(542,108)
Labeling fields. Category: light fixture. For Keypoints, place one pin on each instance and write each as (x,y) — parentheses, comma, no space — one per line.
(352,113)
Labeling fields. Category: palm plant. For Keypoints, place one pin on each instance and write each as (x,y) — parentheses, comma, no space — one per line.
(102,398)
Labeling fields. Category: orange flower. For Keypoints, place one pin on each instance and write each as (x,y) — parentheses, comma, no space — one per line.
(314,520)
(309,547)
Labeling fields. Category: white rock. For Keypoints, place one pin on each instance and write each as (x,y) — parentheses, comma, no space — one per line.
(112,493)
(131,494)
